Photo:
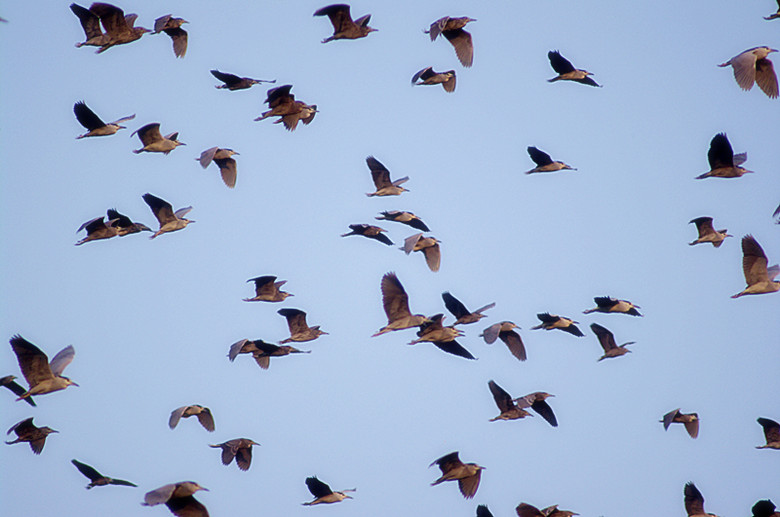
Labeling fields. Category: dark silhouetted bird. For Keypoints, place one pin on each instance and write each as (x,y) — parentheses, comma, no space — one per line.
(553,321)
(91,25)
(690,420)
(509,411)
(234,82)
(452,29)
(381,177)
(204,415)
(765,508)
(723,162)
(609,305)
(154,142)
(9,381)
(262,351)
(98,479)
(28,432)
(267,290)
(93,124)
(169,220)
(299,330)
(123,224)
(505,331)
(427,76)
(396,305)
(771,434)
(694,501)
(178,498)
(483,511)
(407,218)
(707,232)
(372,232)
(343,26)
(753,66)
(466,474)
(429,246)
(567,72)
(42,376)
(544,163)
(775,15)
(760,279)
(462,314)
(225,162)
(290,111)
(172,27)
(240,449)
(607,341)
(323,494)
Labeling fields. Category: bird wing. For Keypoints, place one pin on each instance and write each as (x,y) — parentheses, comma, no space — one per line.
(559,63)
(490,334)
(539,157)
(720,154)
(515,344)
(394,298)
(187,506)
(447,462)
(363,20)
(149,133)
(32,361)
(546,412)
(469,485)
(112,18)
(703,225)
(161,22)
(692,427)
(89,22)
(161,209)
(228,79)
(433,257)
(766,77)
(464,48)
(244,457)
(22,427)
(449,84)
(669,418)
(454,305)
(423,74)
(262,360)
(208,155)
(159,495)
(63,358)
(236,349)
(176,415)
(227,168)
(437,26)
(771,429)
(740,158)
(744,66)
(502,398)
(279,95)
(694,501)
(120,482)
(572,329)
(92,225)
(381,237)
(754,261)
(88,471)
(606,338)
(454,348)
(338,14)
(317,488)
(179,37)
(37,445)
(296,320)
(119,220)
(486,307)
(379,173)
(16,388)
(546,317)
(86,116)
(228,452)
(526,510)
(482,511)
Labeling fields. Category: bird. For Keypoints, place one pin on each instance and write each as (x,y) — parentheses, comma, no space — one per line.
(429,246)
(609,305)
(483,511)
(381,177)
(544,163)
(526,510)
(462,315)
(774,15)
(758,277)
(290,111)
(395,302)
(509,411)
(407,218)
(97,229)
(9,381)
(153,140)
(694,501)
(567,72)
(90,22)
(343,26)
(372,232)
(537,401)
(690,420)
(553,321)
(752,66)
(119,29)
(178,497)
(98,479)
(169,220)
(42,375)
(452,29)
(505,331)
(172,27)
(26,431)
(234,82)
(607,341)
(707,233)
(466,474)
(323,494)
(765,508)
(262,351)
(771,434)
(427,76)
(93,124)
(723,162)
(225,162)
(267,290)
(123,224)
(204,415)
(442,337)
(240,449)
(299,330)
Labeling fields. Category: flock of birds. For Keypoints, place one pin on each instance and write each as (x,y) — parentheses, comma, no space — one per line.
(44,376)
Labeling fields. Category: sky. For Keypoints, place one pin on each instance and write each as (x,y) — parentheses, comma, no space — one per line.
(152,321)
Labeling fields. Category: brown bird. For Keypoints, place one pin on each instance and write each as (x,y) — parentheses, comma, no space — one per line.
(123,224)
(153,140)
(93,124)
(169,220)
(694,501)
(204,415)
(771,434)
(372,232)
(97,229)
(91,25)
(262,351)
(707,232)
(429,246)
(42,376)
(299,330)
(9,381)
(760,279)
(443,337)
(98,479)
(343,26)
(690,420)
(505,331)
(775,15)
(452,29)
(765,508)
(178,498)
(723,162)
(544,163)
(427,76)
(172,27)
(537,402)
(234,82)
(526,510)
(509,411)
(466,474)
(323,494)
(381,177)
(240,449)
(752,66)
(225,162)
(567,72)
(396,305)
(266,290)
(607,341)
(119,28)
(26,431)
(553,321)
(462,315)
(290,111)
(409,219)
(609,305)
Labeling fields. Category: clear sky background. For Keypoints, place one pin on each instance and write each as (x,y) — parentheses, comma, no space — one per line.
(152,321)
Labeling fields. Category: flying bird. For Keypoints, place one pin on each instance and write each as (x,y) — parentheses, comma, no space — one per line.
(509,411)
(609,305)
(381,177)
(299,330)
(409,219)
(9,381)
(97,229)
(443,337)
(262,351)
(452,29)
(466,474)
(553,321)
(98,479)
(178,498)
(776,215)
(91,25)
(372,232)
(723,162)
(429,246)
(427,76)
(544,163)
(154,142)
(28,432)
(240,449)
(234,82)
(760,279)
(290,111)
(607,341)
(204,415)
(123,224)
(343,26)
(119,29)
(752,66)
(42,376)
(267,290)
(567,72)
(707,233)
(505,332)
(774,15)
(462,315)
(689,420)
(224,160)
(323,494)
(771,434)
(765,508)
(694,501)
(537,401)
(526,510)
(172,27)
(396,305)
(93,124)
(169,220)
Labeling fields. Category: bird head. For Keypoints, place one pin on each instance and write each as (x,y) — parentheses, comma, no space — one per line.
(69,382)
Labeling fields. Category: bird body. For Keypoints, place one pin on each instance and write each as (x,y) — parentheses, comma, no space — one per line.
(505,332)
(567,72)
(760,279)
(372,232)
(689,420)
(178,497)
(98,479)
(234,82)
(323,494)
(172,27)
(774,15)
(343,26)
(395,302)
(462,314)
(608,305)
(42,376)
(9,381)
(224,160)
(429,246)
(753,66)
(544,163)
(537,401)
(406,218)
(433,331)
(723,162)
(267,290)
(427,76)
(28,432)
(771,434)
(123,224)
(509,410)
(94,125)
(526,510)
(240,449)
(765,508)
(299,329)
(707,233)
(553,321)
(466,474)
(607,342)
(290,111)
(169,220)
(452,29)
(119,28)
(204,415)
(381,177)
(262,351)
(154,142)
(97,229)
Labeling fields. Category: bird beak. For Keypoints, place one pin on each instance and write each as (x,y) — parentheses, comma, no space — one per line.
(74,384)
